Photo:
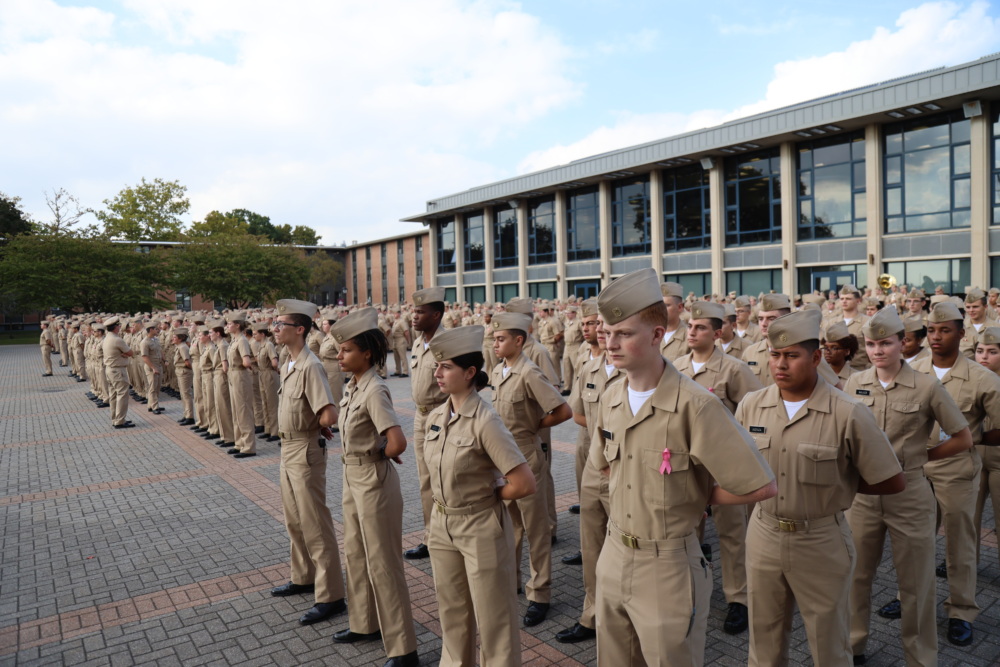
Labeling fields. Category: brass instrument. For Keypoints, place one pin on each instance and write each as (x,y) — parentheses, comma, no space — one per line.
(886,281)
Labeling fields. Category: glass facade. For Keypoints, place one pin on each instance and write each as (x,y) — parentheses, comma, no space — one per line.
(699,283)
(686,209)
(950,274)
(541,231)
(504,237)
(354,274)
(928,164)
(385,275)
(630,217)
(475,242)
(583,239)
(753,198)
(545,290)
(996,172)
(504,293)
(446,247)
(419,254)
(474,295)
(585,289)
(831,277)
(449,294)
(368,273)
(994,271)
(832,199)
(753,282)
(401,270)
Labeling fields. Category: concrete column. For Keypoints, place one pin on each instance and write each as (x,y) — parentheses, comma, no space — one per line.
(604,210)
(982,204)
(717,224)
(656,221)
(789,218)
(875,198)
(488,250)
(431,254)
(522,248)
(559,238)
(459,257)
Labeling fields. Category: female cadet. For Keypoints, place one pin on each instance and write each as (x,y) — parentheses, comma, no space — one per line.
(240,378)
(473,464)
(372,500)
(211,421)
(223,403)
(182,370)
(839,347)
(328,350)
(267,377)
(988,356)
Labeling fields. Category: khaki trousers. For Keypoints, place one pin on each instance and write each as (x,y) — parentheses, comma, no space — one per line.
(731,527)
(652,604)
(530,518)
(118,399)
(223,407)
(989,486)
(554,353)
(269,397)
(103,386)
(908,517)
(373,550)
(955,482)
(46,357)
(199,401)
(595,508)
(489,357)
(582,451)
(426,498)
(472,556)
(241,400)
(186,386)
(545,435)
(810,569)
(315,558)
(258,399)
(80,364)
(568,371)
(152,387)
(399,353)
(211,417)
(64,352)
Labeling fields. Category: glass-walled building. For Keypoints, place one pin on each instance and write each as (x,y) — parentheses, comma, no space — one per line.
(901,177)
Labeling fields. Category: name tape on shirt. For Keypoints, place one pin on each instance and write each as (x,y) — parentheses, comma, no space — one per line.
(758,429)
(591,386)
(751,363)
(608,435)
(863,392)
(435,427)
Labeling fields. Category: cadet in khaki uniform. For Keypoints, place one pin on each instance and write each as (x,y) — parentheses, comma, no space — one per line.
(183,373)
(730,380)
(211,428)
(328,351)
(372,500)
(240,377)
(988,356)
(116,357)
(978,319)
(267,376)
(572,338)
(46,345)
(152,365)
(305,414)
(550,334)
(672,448)
(675,336)
(474,464)
(905,407)
(400,343)
(194,348)
(824,447)
(744,328)
(850,302)
(728,341)
(955,480)
(914,337)
(527,403)
(428,309)
(838,350)
(220,382)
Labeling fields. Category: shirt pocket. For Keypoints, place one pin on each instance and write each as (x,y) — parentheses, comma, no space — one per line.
(818,464)
(462,451)
(904,407)
(611,450)
(763,441)
(414,362)
(665,489)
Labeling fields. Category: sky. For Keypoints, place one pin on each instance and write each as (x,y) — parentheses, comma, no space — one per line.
(347,115)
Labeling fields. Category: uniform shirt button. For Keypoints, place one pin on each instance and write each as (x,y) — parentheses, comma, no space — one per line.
(628,516)
(781,497)
(630,456)
(629,485)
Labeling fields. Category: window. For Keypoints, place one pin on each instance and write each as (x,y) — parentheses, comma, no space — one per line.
(504,293)
(449,295)
(753,282)
(401,269)
(994,270)
(699,283)
(585,289)
(583,239)
(446,246)
(504,237)
(541,227)
(182,300)
(368,272)
(927,174)
(354,274)
(950,274)
(542,290)
(753,198)
(385,275)
(686,209)
(419,256)
(831,277)
(996,174)
(630,217)
(474,295)
(832,197)
(475,239)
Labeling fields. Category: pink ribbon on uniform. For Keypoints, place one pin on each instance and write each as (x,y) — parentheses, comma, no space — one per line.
(665,468)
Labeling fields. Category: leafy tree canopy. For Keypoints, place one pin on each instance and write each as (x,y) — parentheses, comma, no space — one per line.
(150,211)
(13,220)
(323,270)
(219,223)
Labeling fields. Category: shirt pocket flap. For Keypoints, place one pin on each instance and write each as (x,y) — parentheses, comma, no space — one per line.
(431,433)
(516,396)
(763,441)
(462,441)
(815,452)
(906,407)
(611,450)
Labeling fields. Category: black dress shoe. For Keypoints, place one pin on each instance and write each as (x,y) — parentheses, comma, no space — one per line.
(537,611)
(555,538)
(860,659)
(573,559)
(348,636)
(46,375)
(941,570)
(322,611)
(159,411)
(959,632)
(258,429)
(892,610)
(232,451)
(408,660)
(404,375)
(292,589)
(417,552)
(79,379)
(125,425)
(577,633)
(736,619)
(243,455)
(574,509)
(272,438)
(102,404)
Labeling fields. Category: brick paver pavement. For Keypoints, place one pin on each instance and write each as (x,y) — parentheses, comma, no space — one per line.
(152,546)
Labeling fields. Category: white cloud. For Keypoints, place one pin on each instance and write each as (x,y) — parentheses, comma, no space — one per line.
(932,35)
(642,41)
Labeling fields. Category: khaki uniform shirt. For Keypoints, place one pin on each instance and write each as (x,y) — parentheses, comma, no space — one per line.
(523,398)
(220,352)
(705,444)
(303,393)
(45,339)
(820,454)
(240,348)
(265,354)
(181,354)
(593,381)
(366,413)
(208,357)
(150,347)
(751,334)
(728,378)
(466,453)
(423,387)
(975,389)
(971,338)
(540,357)
(860,360)
(572,333)
(548,329)
(399,330)
(906,410)
(114,350)
(736,346)
(677,345)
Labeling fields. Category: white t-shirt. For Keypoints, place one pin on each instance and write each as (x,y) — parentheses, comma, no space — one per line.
(506,370)
(609,369)
(793,407)
(696,366)
(884,384)
(940,372)
(978,326)
(726,346)
(667,335)
(636,399)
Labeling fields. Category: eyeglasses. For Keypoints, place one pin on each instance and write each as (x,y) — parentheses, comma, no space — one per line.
(277,324)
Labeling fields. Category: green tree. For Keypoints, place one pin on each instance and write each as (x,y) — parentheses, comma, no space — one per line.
(13,220)
(282,234)
(219,223)
(72,272)
(66,215)
(150,211)
(323,271)
(239,271)
(303,235)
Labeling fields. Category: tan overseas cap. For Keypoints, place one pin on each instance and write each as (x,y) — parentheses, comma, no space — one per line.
(297,307)
(703,310)
(836,331)
(215,324)
(519,304)
(452,343)
(741,302)
(939,298)
(975,294)
(911,324)
(111,321)
(261,326)
(883,324)
(730,310)
(794,328)
(850,289)
(588,308)
(774,302)
(508,321)
(813,298)
(628,295)
(916,294)
(944,312)
(990,336)
(672,289)
(355,324)
(179,331)
(422,297)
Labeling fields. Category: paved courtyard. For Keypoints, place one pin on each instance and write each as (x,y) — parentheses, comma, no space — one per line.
(151,546)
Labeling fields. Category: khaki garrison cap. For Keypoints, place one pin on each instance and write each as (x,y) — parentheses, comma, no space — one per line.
(883,324)
(990,336)
(916,294)
(519,304)
(111,321)
(794,328)
(704,310)
(836,331)
(508,321)
(958,302)
(215,324)
(945,312)
(672,289)
(179,331)
(771,302)
(628,295)
(294,306)
(261,326)
(813,298)
(572,309)
(939,298)
(452,343)
(237,316)
(995,290)
(730,310)
(850,289)
(911,324)
(97,326)
(429,295)
(152,324)
(355,324)
(741,302)
(812,306)
(975,294)
(588,308)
